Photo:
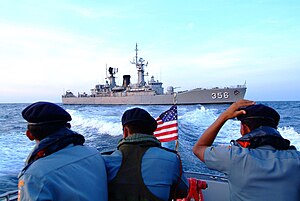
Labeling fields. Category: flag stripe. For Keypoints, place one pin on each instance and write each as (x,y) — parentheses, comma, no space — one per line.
(161,128)
(168,139)
(166,129)
(167,133)
(159,123)
(168,136)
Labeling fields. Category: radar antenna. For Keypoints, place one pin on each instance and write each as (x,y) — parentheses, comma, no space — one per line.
(112,71)
(139,63)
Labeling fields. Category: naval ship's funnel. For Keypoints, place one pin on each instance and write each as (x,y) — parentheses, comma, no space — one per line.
(126,80)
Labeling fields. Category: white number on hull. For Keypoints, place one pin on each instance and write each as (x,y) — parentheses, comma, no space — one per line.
(220,95)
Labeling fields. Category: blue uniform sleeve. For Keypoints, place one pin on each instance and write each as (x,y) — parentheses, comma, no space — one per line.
(31,188)
(219,158)
(112,163)
(180,180)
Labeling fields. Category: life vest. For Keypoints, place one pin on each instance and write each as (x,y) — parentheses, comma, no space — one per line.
(263,136)
(128,185)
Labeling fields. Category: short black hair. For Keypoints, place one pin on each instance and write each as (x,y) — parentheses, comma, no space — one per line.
(254,123)
(139,127)
(39,132)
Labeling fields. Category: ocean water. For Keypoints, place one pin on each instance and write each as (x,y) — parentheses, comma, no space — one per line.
(102,129)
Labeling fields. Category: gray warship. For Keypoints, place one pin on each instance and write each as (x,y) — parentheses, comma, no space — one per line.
(151,92)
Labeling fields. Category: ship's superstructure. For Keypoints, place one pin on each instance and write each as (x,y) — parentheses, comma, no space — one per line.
(151,92)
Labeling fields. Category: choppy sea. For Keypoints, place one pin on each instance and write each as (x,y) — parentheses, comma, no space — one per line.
(102,129)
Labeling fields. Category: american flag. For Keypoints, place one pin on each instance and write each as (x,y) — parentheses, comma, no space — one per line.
(167,126)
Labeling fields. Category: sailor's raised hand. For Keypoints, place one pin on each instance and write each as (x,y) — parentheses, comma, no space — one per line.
(235,109)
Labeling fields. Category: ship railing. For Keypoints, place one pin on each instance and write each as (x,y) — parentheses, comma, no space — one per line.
(9,196)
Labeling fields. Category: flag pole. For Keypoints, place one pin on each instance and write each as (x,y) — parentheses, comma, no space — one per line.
(175,102)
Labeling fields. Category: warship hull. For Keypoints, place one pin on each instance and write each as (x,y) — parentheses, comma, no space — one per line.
(151,92)
(195,96)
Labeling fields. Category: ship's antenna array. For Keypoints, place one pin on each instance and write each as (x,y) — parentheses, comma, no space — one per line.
(105,71)
(139,63)
(136,53)
(135,59)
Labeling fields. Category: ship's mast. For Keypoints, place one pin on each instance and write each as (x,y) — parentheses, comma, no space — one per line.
(140,67)
(112,81)
(136,53)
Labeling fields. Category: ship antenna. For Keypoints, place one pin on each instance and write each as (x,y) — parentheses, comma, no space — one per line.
(136,54)
(106,71)
(139,66)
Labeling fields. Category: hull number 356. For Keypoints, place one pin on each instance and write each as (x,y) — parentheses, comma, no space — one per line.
(220,95)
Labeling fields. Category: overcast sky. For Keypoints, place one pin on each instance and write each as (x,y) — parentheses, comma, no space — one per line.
(50,46)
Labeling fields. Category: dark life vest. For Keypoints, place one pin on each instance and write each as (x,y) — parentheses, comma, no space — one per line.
(128,185)
(264,135)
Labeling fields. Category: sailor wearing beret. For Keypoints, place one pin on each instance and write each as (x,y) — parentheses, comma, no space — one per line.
(140,168)
(59,167)
(261,165)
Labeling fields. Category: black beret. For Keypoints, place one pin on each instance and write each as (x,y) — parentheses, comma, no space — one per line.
(44,112)
(139,115)
(260,111)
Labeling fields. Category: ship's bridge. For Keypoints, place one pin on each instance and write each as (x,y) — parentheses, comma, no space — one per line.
(156,86)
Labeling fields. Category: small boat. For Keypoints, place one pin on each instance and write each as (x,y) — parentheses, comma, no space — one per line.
(213,188)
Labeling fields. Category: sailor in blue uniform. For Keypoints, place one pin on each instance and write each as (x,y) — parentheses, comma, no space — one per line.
(59,167)
(141,169)
(261,165)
